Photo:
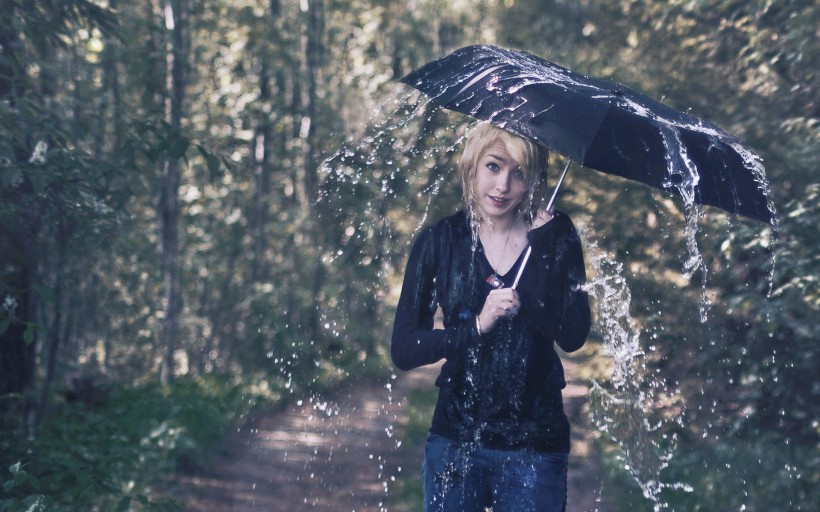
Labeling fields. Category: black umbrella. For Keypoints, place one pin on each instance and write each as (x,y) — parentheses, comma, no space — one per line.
(600,124)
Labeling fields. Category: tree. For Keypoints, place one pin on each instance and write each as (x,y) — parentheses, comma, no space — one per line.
(46,186)
(176,22)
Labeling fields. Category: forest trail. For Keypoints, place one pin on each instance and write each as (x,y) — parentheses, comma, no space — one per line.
(341,453)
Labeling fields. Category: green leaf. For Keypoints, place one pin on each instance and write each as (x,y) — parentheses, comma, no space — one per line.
(213,163)
(31,479)
(124,503)
(178,146)
(11,177)
(211,159)
(28,336)
(37,182)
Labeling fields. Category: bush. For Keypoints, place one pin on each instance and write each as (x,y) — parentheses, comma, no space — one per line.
(106,457)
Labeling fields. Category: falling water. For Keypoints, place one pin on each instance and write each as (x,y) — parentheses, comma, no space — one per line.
(377,170)
(506,73)
(623,408)
(634,408)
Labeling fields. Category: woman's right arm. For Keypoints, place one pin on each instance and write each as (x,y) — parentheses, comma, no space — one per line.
(415,342)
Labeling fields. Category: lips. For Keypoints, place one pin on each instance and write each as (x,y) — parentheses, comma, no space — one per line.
(499,202)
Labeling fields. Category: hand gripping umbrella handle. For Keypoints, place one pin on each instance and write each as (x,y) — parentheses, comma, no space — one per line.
(549,208)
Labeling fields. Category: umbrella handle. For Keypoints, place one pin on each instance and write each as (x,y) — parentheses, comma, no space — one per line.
(521,268)
(558,186)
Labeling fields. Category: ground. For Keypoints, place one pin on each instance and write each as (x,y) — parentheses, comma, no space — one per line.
(342,452)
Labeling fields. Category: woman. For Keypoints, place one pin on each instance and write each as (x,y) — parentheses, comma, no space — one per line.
(499,436)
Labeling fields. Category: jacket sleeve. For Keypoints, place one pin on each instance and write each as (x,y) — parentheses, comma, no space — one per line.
(575,320)
(414,342)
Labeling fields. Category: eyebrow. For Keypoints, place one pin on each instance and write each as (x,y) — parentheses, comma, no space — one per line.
(497,157)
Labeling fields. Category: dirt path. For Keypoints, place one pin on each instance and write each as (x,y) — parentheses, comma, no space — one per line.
(586,490)
(342,454)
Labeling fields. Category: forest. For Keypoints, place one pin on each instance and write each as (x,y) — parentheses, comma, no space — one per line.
(206,207)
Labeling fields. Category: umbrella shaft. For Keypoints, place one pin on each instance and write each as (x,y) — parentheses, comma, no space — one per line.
(558,186)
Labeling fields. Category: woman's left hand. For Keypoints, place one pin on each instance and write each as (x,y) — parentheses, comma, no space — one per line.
(501,303)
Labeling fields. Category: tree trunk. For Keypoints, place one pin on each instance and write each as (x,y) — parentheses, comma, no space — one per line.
(313,60)
(111,111)
(17,355)
(176,21)
(56,330)
(18,253)
(306,182)
(261,199)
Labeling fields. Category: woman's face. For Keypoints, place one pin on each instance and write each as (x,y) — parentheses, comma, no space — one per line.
(499,183)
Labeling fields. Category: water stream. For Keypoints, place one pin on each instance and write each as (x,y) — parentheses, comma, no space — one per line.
(632,408)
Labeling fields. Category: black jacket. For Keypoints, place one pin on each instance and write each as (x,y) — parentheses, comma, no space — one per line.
(502,389)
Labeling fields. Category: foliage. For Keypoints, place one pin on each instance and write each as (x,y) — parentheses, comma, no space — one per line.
(307,170)
(107,455)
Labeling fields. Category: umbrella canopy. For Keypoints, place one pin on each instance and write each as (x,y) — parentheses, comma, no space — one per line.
(600,124)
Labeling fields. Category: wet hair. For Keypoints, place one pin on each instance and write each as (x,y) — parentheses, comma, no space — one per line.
(533,159)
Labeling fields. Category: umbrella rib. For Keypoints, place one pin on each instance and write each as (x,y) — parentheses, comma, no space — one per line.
(476,79)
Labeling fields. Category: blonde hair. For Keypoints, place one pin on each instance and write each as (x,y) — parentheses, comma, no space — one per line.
(532,158)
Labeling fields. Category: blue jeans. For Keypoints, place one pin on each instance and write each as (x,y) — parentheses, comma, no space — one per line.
(464,478)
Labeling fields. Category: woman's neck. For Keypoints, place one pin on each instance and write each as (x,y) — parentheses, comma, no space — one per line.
(501,225)
(503,240)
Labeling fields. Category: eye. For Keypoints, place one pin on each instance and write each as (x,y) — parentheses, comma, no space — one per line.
(493,166)
(519,174)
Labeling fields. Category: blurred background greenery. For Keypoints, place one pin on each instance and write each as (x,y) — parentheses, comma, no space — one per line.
(205,206)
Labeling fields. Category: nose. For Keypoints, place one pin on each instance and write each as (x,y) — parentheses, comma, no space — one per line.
(502,181)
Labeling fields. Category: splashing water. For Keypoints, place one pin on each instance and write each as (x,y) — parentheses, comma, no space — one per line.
(635,409)
(518,90)
(620,406)
(682,175)
(622,409)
